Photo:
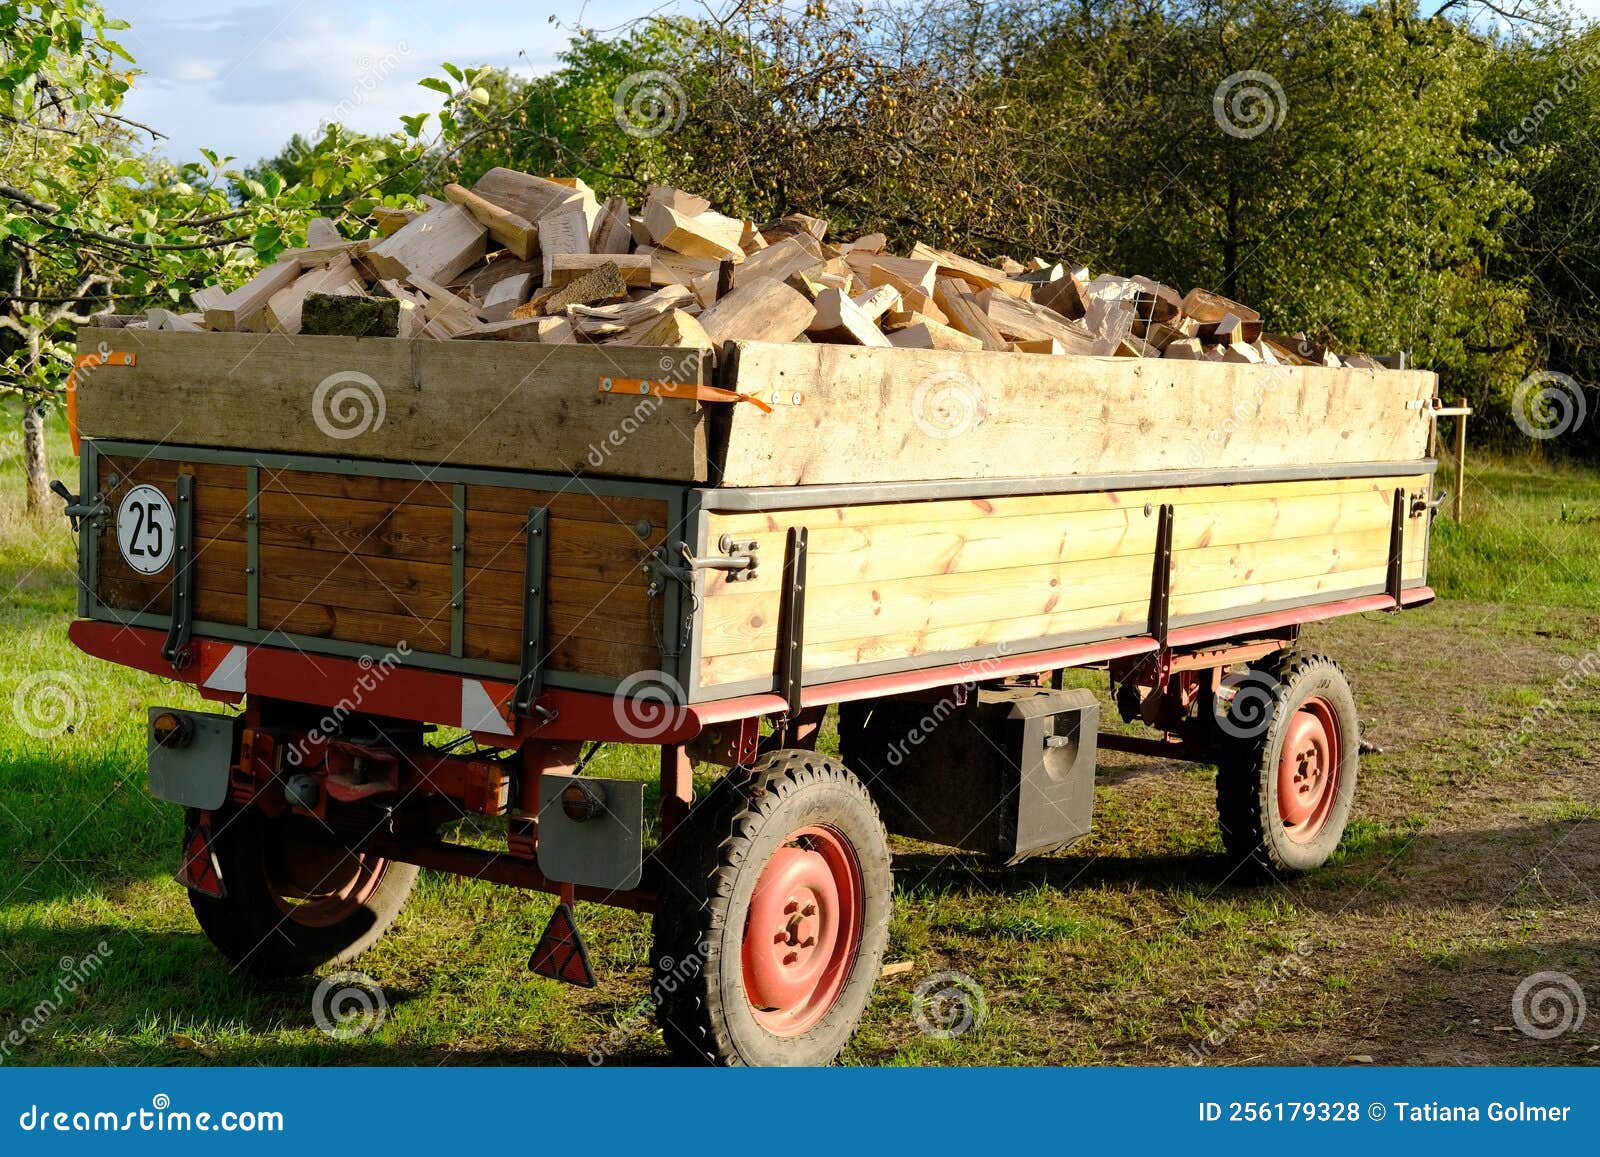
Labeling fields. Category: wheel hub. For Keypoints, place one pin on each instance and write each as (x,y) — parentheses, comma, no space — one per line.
(1308,770)
(802,930)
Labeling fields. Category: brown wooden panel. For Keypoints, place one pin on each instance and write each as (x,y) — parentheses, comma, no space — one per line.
(357,626)
(576,502)
(591,550)
(356,582)
(348,526)
(394,491)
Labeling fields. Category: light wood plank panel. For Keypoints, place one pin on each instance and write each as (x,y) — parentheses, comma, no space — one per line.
(839,556)
(738,622)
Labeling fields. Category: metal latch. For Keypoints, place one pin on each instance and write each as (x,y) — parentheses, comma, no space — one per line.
(738,558)
(1422,504)
(76,509)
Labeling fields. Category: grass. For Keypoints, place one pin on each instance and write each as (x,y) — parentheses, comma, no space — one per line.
(1130,947)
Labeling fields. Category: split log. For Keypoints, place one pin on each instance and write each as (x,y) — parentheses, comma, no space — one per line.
(965,313)
(516,233)
(242,305)
(564,268)
(763,310)
(439,245)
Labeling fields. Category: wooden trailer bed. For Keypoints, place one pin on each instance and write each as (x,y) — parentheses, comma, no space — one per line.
(956,506)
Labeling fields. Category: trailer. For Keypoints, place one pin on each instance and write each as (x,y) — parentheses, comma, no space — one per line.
(423,581)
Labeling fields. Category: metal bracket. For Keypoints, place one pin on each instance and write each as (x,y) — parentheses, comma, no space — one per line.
(76,509)
(1161,578)
(530,683)
(792,621)
(176,647)
(738,558)
(1397,542)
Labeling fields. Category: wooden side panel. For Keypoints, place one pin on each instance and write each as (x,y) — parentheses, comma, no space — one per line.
(894,581)
(370,560)
(598,618)
(893,415)
(500,405)
(219,527)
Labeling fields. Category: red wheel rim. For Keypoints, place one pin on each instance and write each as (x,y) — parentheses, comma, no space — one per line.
(802,931)
(316,882)
(1309,770)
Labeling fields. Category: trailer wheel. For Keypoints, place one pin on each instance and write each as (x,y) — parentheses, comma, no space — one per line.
(774,916)
(1286,774)
(296,898)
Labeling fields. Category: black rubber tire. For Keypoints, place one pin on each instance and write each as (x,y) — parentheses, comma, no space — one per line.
(250,929)
(1247,763)
(713,862)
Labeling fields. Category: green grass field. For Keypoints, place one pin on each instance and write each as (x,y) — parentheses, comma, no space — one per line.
(1458,879)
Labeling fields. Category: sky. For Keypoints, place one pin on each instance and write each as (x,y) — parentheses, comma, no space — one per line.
(241,76)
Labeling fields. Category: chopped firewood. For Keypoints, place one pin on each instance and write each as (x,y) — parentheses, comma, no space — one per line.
(917,274)
(1048,345)
(751,240)
(284,308)
(839,319)
(1134,347)
(762,310)
(1156,302)
(208,297)
(1360,362)
(1013,318)
(391,220)
(1184,349)
(165,320)
(517,234)
(321,231)
(675,329)
(241,306)
(564,231)
(779,261)
(440,299)
(602,283)
(505,295)
(1067,295)
(965,313)
(311,256)
(792,225)
(930,335)
(1242,353)
(564,268)
(704,234)
(973,272)
(611,233)
(913,294)
(344,315)
(689,204)
(879,301)
(439,245)
(624,316)
(1010,266)
(527,196)
(522,329)
(871,243)
(1296,351)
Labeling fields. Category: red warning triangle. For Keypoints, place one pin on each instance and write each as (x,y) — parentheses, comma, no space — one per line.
(560,953)
(200,869)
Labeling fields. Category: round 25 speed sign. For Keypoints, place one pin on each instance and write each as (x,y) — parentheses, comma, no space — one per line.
(146,529)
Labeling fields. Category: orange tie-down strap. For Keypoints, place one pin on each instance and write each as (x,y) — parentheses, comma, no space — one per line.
(688,391)
(100,357)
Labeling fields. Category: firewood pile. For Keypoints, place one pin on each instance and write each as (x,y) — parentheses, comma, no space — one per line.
(525,258)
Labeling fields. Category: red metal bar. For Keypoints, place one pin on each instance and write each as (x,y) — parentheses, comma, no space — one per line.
(500,868)
(1232,628)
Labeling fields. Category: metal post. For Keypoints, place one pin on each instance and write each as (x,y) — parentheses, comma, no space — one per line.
(1461,458)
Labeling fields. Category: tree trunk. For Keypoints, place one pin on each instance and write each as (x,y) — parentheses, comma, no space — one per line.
(38,468)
